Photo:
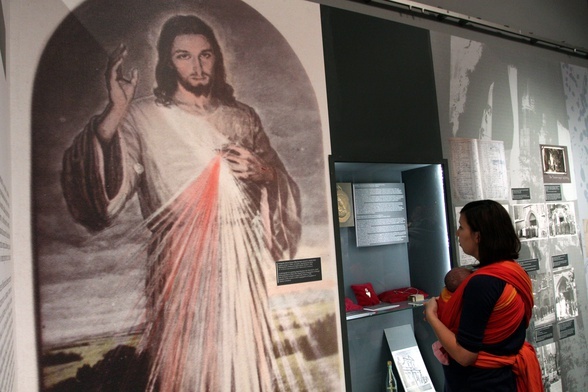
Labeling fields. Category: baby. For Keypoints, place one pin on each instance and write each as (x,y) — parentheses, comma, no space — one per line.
(453,279)
(455,276)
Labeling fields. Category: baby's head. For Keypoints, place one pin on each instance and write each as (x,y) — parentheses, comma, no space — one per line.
(455,276)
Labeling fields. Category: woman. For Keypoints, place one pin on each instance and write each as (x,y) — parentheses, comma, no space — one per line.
(483,325)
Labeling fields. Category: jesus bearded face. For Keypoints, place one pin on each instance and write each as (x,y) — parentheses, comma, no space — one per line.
(193,59)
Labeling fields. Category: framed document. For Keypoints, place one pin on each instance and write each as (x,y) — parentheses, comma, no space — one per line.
(407,359)
(380,214)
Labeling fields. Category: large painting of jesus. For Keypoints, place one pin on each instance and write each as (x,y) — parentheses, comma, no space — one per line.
(177,156)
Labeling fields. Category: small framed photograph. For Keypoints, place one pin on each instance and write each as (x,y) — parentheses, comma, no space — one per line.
(555,164)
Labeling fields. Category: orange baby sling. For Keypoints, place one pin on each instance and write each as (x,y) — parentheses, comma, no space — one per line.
(515,302)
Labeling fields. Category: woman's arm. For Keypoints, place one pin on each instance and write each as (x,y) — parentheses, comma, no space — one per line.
(446,337)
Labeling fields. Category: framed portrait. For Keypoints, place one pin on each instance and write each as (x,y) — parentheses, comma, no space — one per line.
(555,164)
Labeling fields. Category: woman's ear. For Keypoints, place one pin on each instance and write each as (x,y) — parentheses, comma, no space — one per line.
(477,237)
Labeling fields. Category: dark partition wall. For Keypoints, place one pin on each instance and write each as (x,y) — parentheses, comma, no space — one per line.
(382,110)
(381,89)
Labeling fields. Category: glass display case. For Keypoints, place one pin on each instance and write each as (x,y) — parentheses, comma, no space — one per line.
(420,262)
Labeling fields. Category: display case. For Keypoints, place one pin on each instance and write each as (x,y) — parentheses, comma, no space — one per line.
(419,262)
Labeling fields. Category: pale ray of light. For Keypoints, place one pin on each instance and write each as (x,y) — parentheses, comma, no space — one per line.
(211,327)
(210,324)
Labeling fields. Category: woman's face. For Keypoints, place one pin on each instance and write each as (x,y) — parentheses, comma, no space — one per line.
(468,239)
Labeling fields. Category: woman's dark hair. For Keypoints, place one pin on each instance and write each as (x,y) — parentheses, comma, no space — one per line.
(165,74)
(498,239)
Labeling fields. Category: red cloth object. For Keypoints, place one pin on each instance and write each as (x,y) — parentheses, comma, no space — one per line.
(365,294)
(351,306)
(524,365)
(438,349)
(442,301)
(399,295)
(515,302)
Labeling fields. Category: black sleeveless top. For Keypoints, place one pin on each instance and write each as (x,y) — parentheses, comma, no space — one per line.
(479,297)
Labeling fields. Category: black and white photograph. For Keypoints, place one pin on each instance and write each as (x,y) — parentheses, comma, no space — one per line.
(544,308)
(562,219)
(549,360)
(566,299)
(542,280)
(555,164)
(530,221)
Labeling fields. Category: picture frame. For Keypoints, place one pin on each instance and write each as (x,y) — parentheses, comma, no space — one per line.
(412,370)
(555,164)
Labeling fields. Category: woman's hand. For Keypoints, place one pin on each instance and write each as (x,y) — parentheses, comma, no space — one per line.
(446,337)
(431,309)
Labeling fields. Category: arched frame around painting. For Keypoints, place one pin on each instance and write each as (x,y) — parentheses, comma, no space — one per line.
(86,286)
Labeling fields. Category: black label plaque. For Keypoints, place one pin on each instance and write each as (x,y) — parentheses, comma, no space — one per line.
(567,329)
(553,193)
(529,265)
(544,333)
(521,193)
(560,261)
(298,271)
